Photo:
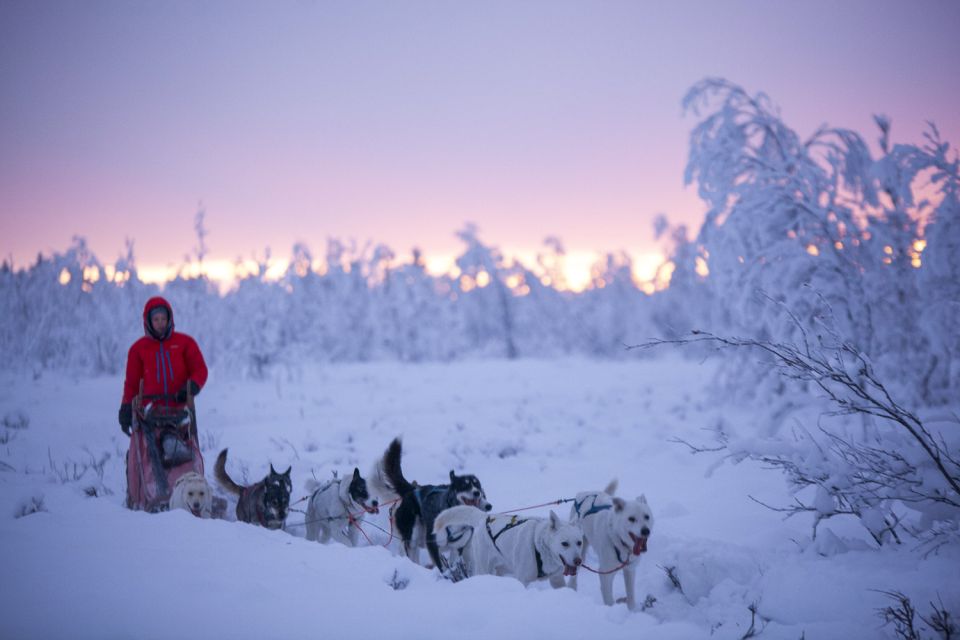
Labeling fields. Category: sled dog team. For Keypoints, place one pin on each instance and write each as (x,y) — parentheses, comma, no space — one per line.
(451,521)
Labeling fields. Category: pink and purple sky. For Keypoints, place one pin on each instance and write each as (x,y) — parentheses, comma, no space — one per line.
(397,122)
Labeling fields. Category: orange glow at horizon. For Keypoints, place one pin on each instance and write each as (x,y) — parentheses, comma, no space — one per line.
(701,267)
(650,271)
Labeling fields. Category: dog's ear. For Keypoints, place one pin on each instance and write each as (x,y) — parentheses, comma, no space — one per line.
(356,473)
(452,475)
(272,471)
(287,472)
(554,521)
(618,504)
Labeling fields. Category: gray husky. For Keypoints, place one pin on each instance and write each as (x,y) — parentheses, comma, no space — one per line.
(264,503)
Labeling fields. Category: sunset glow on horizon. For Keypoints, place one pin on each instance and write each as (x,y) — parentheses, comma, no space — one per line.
(647,271)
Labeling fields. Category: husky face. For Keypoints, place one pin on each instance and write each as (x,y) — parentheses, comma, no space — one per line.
(469,492)
(566,543)
(632,523)
(191,492)
(276,497)
(359,494)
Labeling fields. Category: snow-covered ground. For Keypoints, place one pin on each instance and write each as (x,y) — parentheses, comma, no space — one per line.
(534,431)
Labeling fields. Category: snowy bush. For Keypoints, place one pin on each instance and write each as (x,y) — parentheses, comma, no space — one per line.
(901,476)
(829,231)
(828,274)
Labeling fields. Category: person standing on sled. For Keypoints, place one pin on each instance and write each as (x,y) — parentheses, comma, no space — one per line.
(167,367)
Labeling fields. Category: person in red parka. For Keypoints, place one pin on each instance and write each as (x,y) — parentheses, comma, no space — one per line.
(168,363)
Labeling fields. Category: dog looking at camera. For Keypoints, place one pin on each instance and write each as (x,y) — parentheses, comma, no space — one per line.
(192,492)
(337,507)
(618,529)
(264,503)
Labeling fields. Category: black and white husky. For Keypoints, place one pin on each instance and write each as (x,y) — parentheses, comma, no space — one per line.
(618,529)
(526,548)
(337,507)
(420,505)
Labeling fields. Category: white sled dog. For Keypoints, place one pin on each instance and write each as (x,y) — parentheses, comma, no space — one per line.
(618,529)
(192,492)
(337,507)
(526,548)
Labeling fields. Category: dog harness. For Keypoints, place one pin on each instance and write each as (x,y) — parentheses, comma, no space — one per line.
(419,498)
(514,522)
(346,507)
(594,508)
(455,538)
(258,505)
(540,573)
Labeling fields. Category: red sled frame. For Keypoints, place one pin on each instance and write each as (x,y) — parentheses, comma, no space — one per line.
(149,482)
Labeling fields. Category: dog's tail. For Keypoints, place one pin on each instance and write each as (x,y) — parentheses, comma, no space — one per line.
(455,526)
(220,472)
(386,478)
(611,488)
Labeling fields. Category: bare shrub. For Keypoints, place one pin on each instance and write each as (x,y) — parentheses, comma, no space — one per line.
(903,466)
(73,470)
(16,420)
(33,505)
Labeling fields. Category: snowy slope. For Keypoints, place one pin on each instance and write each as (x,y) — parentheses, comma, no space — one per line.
(533,431)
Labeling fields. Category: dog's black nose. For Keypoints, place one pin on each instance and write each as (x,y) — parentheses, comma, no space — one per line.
(488,507)
(645,531)
(375,503)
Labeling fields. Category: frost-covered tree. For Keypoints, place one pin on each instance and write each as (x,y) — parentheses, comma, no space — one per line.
(817,224)
(940,274)
(820,281)
(611,312)
(687,303)
(486,299)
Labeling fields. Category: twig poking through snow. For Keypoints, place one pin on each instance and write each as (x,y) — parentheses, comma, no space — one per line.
(671,572)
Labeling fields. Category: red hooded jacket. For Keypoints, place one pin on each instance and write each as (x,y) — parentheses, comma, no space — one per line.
(164,363)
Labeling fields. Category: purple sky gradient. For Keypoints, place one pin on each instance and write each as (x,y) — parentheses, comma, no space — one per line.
(399,121)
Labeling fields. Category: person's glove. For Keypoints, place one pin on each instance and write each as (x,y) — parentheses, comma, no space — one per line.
(126,417)
(182,394)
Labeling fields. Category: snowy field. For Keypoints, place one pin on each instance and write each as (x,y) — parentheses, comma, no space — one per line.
(76,566)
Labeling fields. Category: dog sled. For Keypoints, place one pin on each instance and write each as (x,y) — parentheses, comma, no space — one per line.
(163,447)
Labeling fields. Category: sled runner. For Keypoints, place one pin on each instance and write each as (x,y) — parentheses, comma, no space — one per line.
(163,447)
